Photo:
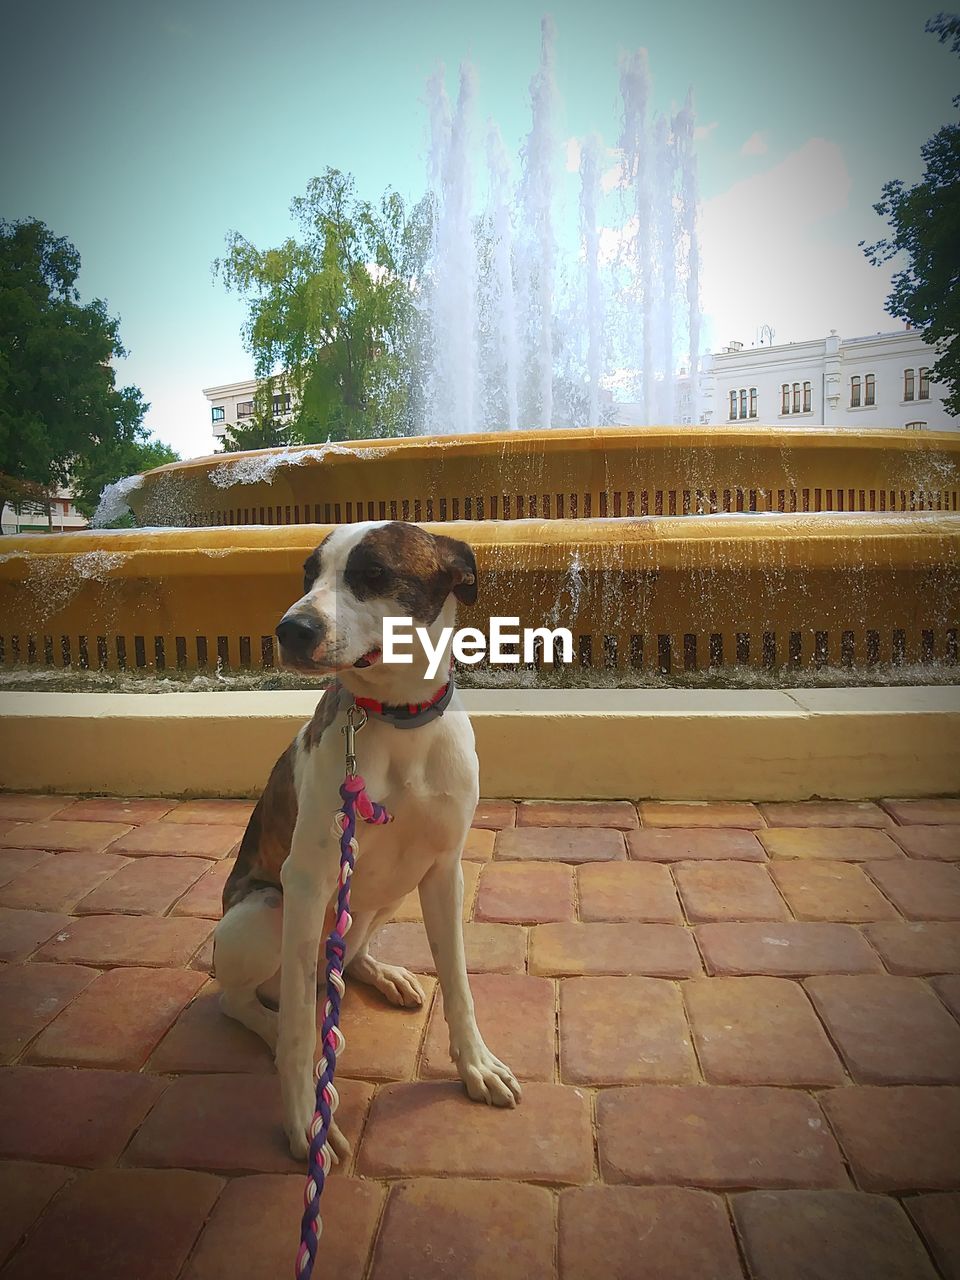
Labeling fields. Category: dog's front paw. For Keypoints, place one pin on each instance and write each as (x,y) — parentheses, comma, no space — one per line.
(487,1079)
(298,1123)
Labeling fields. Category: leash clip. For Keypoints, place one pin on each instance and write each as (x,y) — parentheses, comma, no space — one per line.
(356,719)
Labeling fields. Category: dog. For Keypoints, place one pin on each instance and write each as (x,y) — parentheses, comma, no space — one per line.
(418,758)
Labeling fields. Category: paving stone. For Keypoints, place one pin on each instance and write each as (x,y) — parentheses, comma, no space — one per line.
(255,1226)
(652,950)
(823,1235)
(70,837)
(127,940)
(31,996)
(825,813)
(192,839)
(785,949)
(144,886)
(410,908)
(728,891)
(490,948)
(845,844)
(716,1137)
(899,1138)
(561,844)
(659,1233)
(203,1039)
(58,883)
(205,898)
(25,1191)
(700,813)
(917,948)
(231,1123)
(624,1031)
(118,1020)
(19,807)
(203,960)
(117,1222)
(116,809)
(759,1031)
(13,862)
(21,932)
(619,814)
(479,845)
(82,1118)
(838,891)
(922,890)
(623,891)
(682,844)
(938,1218)
(889,1030)
(526,893)
(434,1129)
(435,1228)
(382,1040)
(516,1014)
(948,989)
(942,842)
(495,814)
(226,813)
(934,812)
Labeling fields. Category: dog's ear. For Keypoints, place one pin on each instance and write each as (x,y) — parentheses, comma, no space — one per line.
(458,562)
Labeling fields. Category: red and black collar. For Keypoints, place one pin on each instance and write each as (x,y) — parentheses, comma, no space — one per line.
(410,715)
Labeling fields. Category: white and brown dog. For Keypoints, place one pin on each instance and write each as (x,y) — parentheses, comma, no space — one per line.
(418,758)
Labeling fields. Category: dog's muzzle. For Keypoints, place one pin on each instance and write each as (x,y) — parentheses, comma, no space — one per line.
(299,635)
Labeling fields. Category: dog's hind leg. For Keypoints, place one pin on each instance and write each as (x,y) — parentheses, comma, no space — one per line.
(398,985)
(246,955)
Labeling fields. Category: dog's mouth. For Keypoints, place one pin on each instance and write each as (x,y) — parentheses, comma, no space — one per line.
(308,667)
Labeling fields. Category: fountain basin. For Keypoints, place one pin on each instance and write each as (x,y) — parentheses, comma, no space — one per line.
(660,596)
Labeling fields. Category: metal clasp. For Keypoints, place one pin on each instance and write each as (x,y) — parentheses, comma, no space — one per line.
(356,719)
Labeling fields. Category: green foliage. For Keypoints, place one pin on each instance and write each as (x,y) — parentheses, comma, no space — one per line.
(112,461)
(925,226)
(59,407)
(334,311)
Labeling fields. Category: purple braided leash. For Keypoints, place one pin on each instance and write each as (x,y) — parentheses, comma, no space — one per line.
(355,800)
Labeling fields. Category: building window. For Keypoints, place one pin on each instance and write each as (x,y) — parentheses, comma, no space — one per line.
(733,405)
(916,426)
(908,384)
(807,389)
(854,393)
(785,397)
(216,413)
(753,402)
(743,402)
(281,404)
(924,384)
(796,397)
(870,389)
(245,409)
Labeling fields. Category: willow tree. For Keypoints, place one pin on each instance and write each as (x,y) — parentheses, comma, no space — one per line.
(331,313)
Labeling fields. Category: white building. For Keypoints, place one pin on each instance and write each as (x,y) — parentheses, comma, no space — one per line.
(31,517)
(232,403)
(877,381)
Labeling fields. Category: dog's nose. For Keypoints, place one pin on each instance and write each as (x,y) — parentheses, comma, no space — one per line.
(300,633)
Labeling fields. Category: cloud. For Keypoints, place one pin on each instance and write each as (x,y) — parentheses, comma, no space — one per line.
(611,178)
(755,145)
(771,256)
(573,149)
(703,132)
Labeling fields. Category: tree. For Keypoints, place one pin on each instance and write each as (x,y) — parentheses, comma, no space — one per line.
(113,461)
(332,316)
(925,226)
(59,406)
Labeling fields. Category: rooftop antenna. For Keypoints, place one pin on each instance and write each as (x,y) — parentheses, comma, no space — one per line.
(766,335)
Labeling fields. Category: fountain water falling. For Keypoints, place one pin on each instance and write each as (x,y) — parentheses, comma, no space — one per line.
(523,332)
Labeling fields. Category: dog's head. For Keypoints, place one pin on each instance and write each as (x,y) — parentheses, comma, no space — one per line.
(361,574)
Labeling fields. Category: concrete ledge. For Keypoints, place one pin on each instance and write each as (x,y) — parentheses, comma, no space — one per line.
(601,743)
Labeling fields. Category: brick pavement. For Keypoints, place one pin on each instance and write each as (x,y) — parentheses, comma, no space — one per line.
(738,1028)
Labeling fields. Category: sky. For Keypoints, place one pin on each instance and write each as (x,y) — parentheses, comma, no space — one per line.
(145,131)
